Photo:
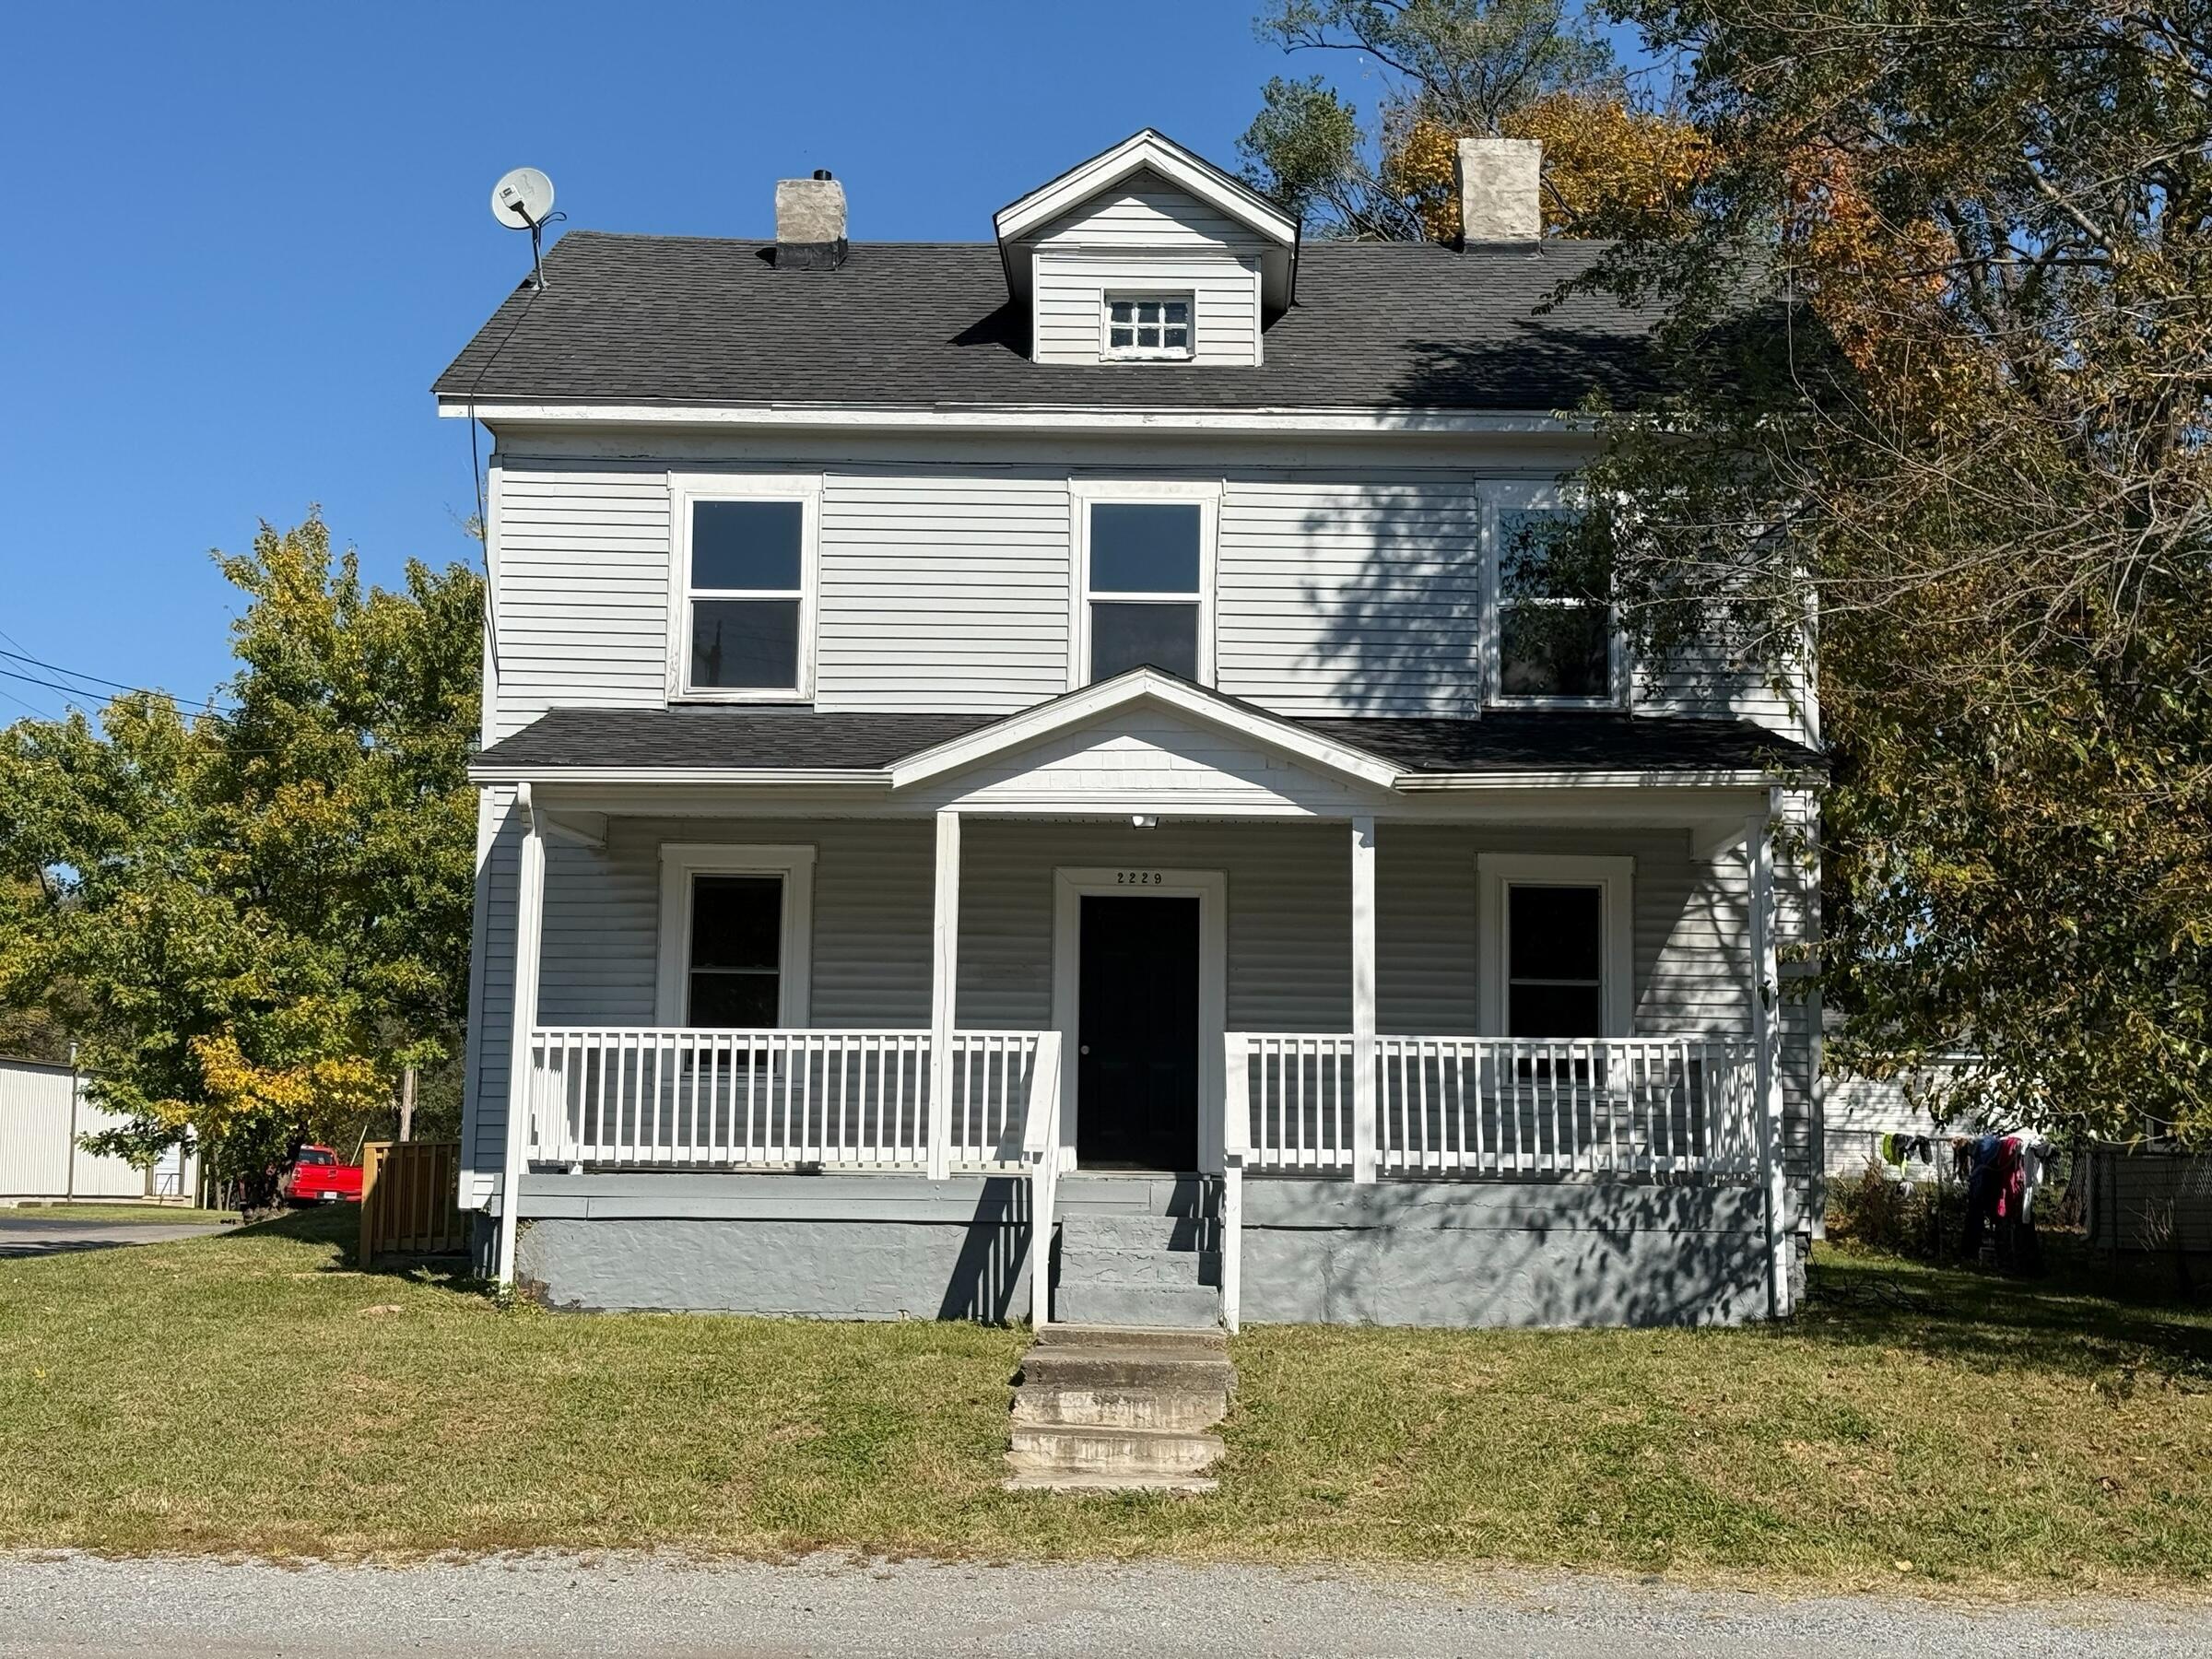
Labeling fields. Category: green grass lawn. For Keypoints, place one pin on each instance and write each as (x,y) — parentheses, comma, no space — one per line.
(153,1215)
(248,1392)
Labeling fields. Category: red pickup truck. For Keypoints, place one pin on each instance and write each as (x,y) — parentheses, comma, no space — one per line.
(317,1177)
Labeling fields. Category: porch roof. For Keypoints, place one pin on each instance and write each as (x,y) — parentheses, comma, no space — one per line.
(813,742)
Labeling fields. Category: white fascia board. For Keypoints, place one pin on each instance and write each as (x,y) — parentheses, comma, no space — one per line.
(1142,686)
(1021,417)
(1428,782)
(1135,153)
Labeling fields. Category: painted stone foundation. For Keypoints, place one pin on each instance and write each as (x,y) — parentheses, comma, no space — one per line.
(824,1247)
(1314,1250)
(1524,1254)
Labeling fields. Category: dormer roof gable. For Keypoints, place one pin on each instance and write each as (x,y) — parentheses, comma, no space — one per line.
(1148,156)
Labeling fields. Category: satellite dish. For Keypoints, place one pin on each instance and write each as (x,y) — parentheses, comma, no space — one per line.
(522,199)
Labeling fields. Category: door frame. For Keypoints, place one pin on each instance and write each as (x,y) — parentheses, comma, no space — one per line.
(1071,884)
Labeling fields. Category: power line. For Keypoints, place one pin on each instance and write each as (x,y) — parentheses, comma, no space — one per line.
(208,705)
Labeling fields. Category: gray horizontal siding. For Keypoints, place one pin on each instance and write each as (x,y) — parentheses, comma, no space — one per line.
(581,605)
(1225,304)
(1288,930)
(1341,598)
(948,588)
(943,592)
(1147,212)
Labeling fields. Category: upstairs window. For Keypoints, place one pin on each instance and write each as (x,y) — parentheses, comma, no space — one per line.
(1555,626)
(1148,325)
(744,618)
(1144,597)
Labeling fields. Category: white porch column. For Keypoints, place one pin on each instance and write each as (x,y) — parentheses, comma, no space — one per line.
(529,929)
(944,978)
(1766,1021)
(1363,999)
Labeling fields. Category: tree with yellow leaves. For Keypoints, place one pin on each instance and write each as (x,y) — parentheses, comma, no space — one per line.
(1454,69)
(1935,368)
(250,920)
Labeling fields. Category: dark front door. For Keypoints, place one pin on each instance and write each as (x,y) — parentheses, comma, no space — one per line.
(1136,1076)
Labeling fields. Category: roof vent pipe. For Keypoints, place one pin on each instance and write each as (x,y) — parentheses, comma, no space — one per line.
(1501,189)
(810,223)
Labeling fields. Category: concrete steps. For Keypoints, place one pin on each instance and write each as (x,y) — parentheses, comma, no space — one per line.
(1117,1409)
(1139,1269)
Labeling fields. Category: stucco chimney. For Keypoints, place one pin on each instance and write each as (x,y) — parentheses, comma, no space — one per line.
(1501,192)
(810,223)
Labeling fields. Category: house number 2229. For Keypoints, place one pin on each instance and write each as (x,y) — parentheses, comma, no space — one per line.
(1137,878)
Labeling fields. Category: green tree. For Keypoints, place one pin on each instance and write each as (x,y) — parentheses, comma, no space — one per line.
(1938,340)
(251,920)
(1443,69)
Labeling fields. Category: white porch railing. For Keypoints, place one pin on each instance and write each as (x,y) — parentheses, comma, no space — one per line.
(735,1100)
(1474,1106)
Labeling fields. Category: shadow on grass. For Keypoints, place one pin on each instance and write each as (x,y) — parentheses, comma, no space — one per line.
(339,1227)
(2077,1317)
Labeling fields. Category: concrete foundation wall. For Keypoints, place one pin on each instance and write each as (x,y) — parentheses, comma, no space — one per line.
(1315,1251)
(1509,1253)
(821,1247)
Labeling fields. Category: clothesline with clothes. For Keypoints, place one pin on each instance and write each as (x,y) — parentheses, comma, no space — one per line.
(2001,1173)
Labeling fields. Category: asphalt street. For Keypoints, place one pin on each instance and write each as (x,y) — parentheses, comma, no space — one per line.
(23,1233)
(542,1604)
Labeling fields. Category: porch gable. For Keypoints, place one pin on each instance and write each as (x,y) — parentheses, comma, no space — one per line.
(1139,744)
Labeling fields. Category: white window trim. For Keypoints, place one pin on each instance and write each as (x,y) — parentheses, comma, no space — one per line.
(1615,878)
(1085,493)
(680,861)
(1110,353)
(1507,496)
(686,489)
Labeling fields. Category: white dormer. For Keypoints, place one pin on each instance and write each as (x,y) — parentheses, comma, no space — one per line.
(1147,255)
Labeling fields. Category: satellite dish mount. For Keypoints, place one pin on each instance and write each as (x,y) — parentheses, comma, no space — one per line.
(522,200)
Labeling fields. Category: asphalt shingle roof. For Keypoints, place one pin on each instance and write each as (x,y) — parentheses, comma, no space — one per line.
(1502,741)
(686,319)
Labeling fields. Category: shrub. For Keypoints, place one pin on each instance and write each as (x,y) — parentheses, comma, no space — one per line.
(1922,1219)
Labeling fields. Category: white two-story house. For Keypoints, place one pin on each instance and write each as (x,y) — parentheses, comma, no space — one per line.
(1018,782)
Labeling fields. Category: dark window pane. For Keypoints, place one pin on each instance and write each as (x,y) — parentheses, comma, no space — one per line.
(1179,338)
(745,1000)
(1554,651)
(1526,562)
(736,921)
(1554,1011)
(1128,636)
(1178,311)
(1555,933)
(1120,311)
(1144,547)
(745,642)
(1147,337)
(746,544)
(1120,336)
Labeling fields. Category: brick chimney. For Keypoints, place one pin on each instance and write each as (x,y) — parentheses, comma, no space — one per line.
(1500,194)
(810,223)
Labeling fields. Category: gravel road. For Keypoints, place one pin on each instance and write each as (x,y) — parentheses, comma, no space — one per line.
(74,1605)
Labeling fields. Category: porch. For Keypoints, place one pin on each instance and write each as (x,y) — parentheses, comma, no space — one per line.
(1660,1112)
(1291,1017)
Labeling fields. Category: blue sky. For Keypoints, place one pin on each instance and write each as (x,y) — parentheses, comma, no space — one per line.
(241,241)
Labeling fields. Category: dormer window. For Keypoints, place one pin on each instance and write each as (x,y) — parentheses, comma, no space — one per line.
(1148,325)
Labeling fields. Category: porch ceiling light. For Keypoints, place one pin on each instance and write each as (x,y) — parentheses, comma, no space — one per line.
(1145,820)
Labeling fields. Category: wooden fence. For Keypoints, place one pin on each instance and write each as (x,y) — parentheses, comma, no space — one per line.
(409,1200)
